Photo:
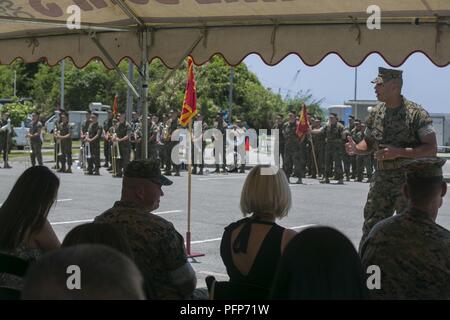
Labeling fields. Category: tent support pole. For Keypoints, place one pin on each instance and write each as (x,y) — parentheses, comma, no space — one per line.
(144,77)
(144,93)
(113,63)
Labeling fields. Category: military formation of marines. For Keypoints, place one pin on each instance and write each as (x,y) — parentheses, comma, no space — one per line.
(321,154)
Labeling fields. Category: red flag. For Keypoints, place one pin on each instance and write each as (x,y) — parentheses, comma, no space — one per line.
(190,97)
(116,105)
(303,125)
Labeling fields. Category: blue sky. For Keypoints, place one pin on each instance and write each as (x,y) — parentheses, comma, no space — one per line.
(333,80)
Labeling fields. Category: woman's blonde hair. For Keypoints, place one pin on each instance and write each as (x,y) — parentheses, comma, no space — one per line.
(266,193)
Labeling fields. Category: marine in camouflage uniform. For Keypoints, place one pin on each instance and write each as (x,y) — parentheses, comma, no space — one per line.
(198,145)
(83,134)
(349,161)
(135,124)
(411,249)
(333,132)
(318,140)
(94,136)
(5,139)
(281,140)
(292,150)
(170,145)
(395,133)
(362,161)
(153,146)
(221,125)
(123,132)
(35,140)
(158,248)
(64,136)
(107,124)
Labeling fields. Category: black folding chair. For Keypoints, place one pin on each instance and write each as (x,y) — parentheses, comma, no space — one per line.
(13,266)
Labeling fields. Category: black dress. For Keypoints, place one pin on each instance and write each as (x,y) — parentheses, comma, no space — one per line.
(265,264)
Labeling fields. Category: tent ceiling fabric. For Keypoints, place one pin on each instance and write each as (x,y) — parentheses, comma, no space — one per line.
(312,29)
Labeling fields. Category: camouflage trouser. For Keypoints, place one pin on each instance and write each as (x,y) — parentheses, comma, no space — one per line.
(125,152)
(319,152)
(107,151)
(361,163)
(94,160)
(281,154)
(198,156)
(292,160)
(66,154)
(36,153)
(385,197)
(4,148)
(169,163)
(153,151)
(349,161)
(333,155)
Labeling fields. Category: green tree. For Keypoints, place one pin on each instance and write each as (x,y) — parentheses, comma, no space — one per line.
(18,111)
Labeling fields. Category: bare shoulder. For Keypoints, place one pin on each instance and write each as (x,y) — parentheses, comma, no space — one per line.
(288,235)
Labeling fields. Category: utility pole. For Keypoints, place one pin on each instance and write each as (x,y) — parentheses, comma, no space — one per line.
(61,92)
(356,88)
(230,94)
(15,81)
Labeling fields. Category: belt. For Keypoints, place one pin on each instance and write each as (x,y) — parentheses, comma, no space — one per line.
(390,164)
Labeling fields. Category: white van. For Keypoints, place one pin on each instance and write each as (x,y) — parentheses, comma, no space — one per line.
(98,106)
(76,118)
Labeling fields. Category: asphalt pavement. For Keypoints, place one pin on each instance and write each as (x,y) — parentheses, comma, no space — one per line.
(215,204)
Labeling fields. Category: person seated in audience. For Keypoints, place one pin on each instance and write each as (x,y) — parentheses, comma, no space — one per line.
(411,249)
(98,233)
(320,263)
(25,230)
(251,247)
(83,272)
(158,248)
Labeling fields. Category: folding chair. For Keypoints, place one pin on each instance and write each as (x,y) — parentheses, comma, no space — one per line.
(13,266)
(226,290)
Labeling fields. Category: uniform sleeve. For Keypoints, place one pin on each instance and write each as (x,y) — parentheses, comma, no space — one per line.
(129,131)
(423,123)
(174,251)
(369,124)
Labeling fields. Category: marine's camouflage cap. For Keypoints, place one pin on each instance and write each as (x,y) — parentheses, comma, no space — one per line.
(429,167)
(146,169)
(386,75)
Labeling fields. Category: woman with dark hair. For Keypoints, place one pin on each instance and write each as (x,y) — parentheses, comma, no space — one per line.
(320,263)
(98,233)
(25,230)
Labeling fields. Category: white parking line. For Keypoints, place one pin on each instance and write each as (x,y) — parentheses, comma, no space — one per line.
(164,212)
(70,222)
(90,220)
(207,240)
(304,226)
(221,178)
(60,200)
(216,274)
